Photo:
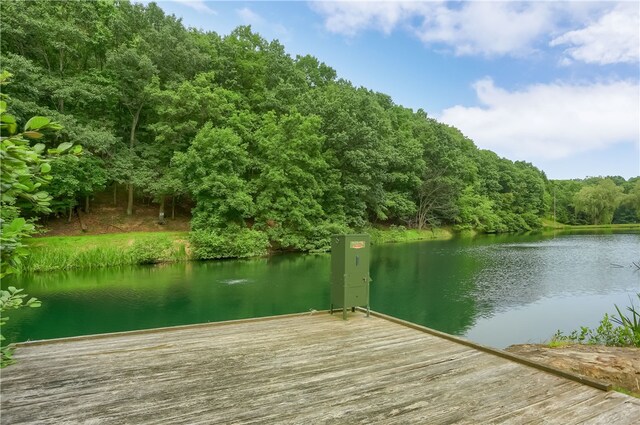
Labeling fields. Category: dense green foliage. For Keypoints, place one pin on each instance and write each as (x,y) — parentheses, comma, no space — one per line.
(23,173)
(272,152)
(596,200)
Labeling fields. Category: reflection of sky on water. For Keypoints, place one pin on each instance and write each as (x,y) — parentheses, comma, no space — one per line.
(538,322)
(526,292)
(235,281)
(519,274)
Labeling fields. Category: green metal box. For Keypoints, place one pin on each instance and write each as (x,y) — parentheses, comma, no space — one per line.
(350,279)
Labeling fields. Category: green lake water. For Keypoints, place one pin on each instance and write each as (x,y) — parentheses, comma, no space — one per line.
(496,290)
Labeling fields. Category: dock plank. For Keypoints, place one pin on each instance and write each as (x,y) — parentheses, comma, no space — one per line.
(296,369)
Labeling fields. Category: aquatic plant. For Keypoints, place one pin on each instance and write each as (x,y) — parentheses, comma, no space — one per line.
(631,322)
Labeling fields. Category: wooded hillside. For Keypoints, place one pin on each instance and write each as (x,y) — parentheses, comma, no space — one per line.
(272,150)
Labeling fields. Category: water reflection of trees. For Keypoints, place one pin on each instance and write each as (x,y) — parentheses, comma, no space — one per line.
(426,283)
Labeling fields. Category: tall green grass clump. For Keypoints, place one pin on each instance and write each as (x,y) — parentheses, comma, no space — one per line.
(98,257)
(104,251)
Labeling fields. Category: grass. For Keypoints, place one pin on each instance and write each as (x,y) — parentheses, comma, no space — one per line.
(626,391)
(111,239)
(556,343)
(396,234)
(119,249)
(98,251)
(554,225)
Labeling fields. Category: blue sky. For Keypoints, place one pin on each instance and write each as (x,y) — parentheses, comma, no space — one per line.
(552,83)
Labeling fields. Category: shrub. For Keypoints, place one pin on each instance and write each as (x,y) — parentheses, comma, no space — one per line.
(150,251)
(320,239)
(233,242)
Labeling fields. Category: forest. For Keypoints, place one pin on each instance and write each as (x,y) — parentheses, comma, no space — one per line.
(269,151)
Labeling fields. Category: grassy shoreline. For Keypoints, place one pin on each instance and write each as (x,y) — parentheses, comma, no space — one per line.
(401,235)
(97,251)
(53,253)
(554,225)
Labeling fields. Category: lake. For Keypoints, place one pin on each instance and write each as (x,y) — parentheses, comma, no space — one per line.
(496,290)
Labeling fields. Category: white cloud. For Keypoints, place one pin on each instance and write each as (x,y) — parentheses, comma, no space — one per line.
(489,28)
(550,121)
(613,38)
(249,17)
(198,5)
(349,18)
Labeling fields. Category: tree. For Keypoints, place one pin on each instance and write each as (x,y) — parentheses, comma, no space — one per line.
(449,168)
(355,127)
(75,179)
(436,199)
(629,209)
(316,73)
(181,110)
(634,199)
(24,173)
(213,168)
(134,75)
(289,186)
(599,201)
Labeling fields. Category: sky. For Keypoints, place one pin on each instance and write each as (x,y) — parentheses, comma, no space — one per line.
(555,83)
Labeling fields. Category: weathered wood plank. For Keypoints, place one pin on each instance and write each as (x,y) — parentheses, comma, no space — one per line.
(295,369)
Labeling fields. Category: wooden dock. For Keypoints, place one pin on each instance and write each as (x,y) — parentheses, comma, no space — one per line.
(297,369)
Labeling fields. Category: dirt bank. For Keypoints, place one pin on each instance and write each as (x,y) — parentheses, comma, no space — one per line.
(619,366)
(105,219)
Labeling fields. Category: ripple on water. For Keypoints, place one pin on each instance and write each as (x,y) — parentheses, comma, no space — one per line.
(235,281)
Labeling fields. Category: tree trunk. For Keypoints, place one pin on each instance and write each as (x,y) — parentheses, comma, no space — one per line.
(82,226)
(46,59)
(161,213)
(61,62)
(132,139)
(86,204)
(70,213)
(61,70)
(130,200)
(173,207)
(115,192)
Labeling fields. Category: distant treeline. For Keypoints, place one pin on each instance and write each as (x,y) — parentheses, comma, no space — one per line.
(596,200)
(272,150)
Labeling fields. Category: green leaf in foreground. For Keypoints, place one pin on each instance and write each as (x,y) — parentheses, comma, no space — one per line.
(36,123)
